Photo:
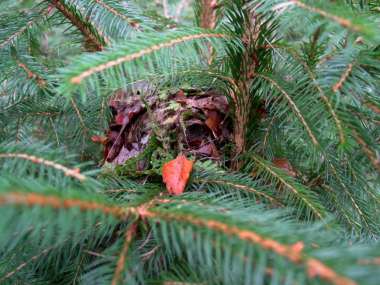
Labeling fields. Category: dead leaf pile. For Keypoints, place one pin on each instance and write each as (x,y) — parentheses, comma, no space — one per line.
(191,122)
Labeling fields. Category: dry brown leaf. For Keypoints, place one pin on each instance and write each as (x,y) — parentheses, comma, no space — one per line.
(176,174)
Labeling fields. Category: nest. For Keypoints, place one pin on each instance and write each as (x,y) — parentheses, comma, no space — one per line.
(192,122)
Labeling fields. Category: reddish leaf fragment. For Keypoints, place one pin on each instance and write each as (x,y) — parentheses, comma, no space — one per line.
(120,119)
(99,139)
(214,121)
(285,165)
(180,94)
(176,174)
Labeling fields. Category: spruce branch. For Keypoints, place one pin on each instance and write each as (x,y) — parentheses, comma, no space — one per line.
(294,107)
(301,81)
(33,199)
(26,263)
(88,72)
(238,186)
(11,38)
(91,35)
(293,253)
(303,194)
(75,173)
(40,81)
(121,262)
(23,27)
(113,11)
(324,97)
(359,209)
(343,78)
(346,23)
(373,158)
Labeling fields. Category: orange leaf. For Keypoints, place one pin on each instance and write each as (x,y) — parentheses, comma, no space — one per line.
(176,173)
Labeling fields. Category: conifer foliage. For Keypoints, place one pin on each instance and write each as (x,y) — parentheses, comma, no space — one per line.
(291,198)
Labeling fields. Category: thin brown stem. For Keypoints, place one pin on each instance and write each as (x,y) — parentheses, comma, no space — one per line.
(75,173)
(123,254)
(90,35)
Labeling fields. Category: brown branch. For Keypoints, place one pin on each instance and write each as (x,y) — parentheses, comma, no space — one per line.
(373,107)
(123,254)
(368,152)
(33,199)
(40,81)
(343,78)
(77,111)
(90,36)
(75,173)
(79,78)
(22,265)
(250,63)
(370,261)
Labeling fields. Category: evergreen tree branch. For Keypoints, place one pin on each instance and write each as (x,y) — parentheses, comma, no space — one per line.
(130,57)
(34,199)
(346,23)
(40,81)
(11,38)
(87,30)
(353,201)
(24,264)
(238,186)
(311,202)
(343,78)
(373,158)
(213,179)
(294,107)
(324,97)
(314,267)
(113,11)
(22,27)
(121,262)
(75,173)
(77,111)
